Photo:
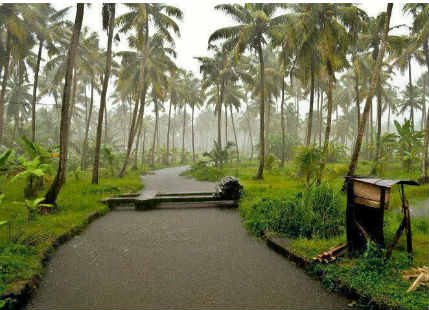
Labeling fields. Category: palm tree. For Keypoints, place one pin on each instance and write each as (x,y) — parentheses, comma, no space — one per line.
(47,24)
(60,178)
(139,18)
(108,24)
(371,91)
(16,33)
(256,24)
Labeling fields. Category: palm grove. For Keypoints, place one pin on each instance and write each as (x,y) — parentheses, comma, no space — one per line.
(110,110)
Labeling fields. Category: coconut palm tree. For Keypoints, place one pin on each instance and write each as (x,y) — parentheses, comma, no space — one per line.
(140,16)
(256,22)
(60,178)
(371,91)
(108,25)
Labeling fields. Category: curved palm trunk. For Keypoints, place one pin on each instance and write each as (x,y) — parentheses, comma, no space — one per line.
(183,134)
(33,101)
(219,119)
(374,82)
(60,178)
(260,173)
(193,134)
(167,155)
(310,111)
(282,120)
(4,82)
(357,97)
(235,134)
(107,70)
(84,163)
(135,123)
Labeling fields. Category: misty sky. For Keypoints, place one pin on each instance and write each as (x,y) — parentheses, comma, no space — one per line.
(201,19)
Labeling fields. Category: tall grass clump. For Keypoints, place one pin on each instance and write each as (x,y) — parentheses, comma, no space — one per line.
(317,212)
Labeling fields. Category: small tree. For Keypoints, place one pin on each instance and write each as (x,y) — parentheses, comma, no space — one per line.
(410,143)
(308,160)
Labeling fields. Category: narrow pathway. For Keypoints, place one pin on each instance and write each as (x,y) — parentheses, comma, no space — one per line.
(178,258)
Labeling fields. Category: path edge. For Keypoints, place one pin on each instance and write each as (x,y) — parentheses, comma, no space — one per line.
(280,245)
(18,297)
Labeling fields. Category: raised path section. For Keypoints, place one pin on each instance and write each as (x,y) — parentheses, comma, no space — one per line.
(175,259)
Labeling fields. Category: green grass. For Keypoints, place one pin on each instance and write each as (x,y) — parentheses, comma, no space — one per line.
(21,257)
(377,285)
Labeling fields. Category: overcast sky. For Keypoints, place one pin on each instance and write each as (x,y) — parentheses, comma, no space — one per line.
(201,19)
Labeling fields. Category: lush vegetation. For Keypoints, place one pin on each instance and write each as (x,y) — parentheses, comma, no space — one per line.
(25,241)
(306,90)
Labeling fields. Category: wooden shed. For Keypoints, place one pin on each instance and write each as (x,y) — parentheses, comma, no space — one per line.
(367,199)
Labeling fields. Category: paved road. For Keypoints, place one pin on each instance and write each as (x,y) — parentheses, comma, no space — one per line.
(178,258)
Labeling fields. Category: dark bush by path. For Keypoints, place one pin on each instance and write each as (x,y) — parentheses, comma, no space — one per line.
(315,212)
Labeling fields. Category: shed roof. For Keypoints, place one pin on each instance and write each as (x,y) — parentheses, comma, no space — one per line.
(384,182)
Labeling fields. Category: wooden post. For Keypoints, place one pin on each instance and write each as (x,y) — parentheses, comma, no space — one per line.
(381,217)
(406,209)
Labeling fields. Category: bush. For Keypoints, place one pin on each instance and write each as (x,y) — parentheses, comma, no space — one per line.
(317,212)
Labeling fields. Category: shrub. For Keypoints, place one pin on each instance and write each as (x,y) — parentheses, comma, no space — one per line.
(316,212)
(308,162)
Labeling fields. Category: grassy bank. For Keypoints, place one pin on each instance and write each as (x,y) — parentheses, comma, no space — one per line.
(378,283)
(27,244)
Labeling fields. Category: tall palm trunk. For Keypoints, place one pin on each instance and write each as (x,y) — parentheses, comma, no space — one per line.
(84,162)
(107,70)
(183,134)
(357,97)
(250,132)
(379,114)
(235,134)
(33,101)
(139,132)
(388,119)
(173,142)
(155,133)
(282,120)
(226,124)
(310,111)
(167,155)
(4,82)
(193,134)
(144,145)
(260,173)
(411,93)
(328,124)
(374,82)
(426,139)
(219,117)
(60,178)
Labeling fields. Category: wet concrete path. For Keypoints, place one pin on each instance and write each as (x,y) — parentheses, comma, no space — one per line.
(177,259)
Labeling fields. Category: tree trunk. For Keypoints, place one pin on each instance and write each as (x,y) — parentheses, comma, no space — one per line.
(379,114)
(155,132)
(107,70)
(226,124)
(235,133)
(282,120)
(374,82)
(219,119)
(84,162)
(193,134)
(4,82)
(33,101)
(357,97)
(168,135)
(426,139)
(388,120)
(144,145)
(135,164)
(183,134)
(60,178)
(328,124)
(411,93)
(310,111)
(173,142)
(250,131)
(260,173)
